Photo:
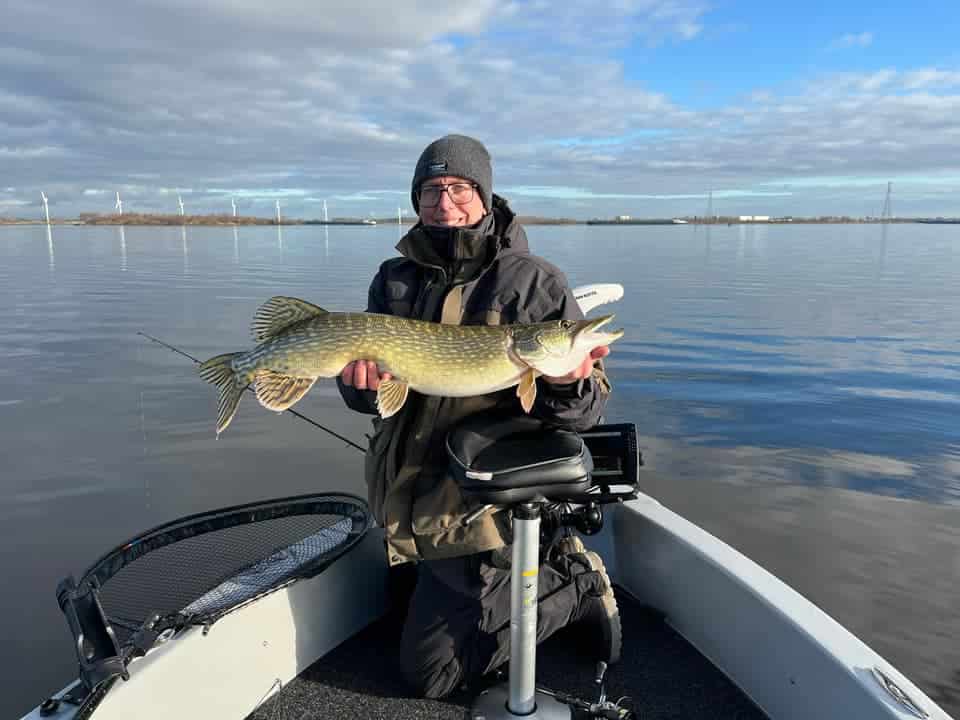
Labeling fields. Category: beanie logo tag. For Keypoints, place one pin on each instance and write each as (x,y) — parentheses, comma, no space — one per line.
(437,167)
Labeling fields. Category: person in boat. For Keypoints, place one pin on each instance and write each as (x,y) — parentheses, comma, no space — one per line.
(467,261)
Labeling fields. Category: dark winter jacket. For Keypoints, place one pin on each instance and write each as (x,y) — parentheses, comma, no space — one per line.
(469,276)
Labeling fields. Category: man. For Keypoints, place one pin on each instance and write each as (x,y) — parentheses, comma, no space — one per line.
(467,262)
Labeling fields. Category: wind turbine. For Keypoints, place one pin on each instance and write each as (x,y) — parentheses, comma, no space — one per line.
(46,208)
(325,219)
(399,216)
(119,205)
(234,205)
(278,212)
(180,202)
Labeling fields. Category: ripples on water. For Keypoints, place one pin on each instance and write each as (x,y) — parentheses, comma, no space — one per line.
(797,389)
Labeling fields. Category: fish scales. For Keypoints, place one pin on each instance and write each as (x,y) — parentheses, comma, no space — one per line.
(431,357)
(300,342)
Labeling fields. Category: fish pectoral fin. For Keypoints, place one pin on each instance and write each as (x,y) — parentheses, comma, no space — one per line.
(277,391)
(527,389)
(280,312)
(391,395)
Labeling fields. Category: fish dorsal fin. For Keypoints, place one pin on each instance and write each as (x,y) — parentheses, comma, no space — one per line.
(277,391)
(280,312)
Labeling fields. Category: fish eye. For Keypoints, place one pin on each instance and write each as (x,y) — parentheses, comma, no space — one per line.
(567,324)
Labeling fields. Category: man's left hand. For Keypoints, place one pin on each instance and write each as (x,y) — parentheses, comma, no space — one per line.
(583,371)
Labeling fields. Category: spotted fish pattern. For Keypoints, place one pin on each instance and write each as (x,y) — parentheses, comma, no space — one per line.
(298,342)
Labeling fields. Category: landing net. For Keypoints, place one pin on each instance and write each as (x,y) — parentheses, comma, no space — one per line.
(196,569)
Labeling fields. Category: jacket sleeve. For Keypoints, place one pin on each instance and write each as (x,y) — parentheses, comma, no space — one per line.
(365,401)
(579,405)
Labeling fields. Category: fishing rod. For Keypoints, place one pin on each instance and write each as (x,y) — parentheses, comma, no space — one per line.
(289,410)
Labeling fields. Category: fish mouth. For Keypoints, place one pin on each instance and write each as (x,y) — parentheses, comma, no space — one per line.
(588,331)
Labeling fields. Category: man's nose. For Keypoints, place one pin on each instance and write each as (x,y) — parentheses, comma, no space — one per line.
(445,202)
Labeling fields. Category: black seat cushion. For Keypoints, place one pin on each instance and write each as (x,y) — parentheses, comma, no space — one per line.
(502,459)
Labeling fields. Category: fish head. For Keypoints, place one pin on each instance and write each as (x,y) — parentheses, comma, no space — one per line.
(558,347)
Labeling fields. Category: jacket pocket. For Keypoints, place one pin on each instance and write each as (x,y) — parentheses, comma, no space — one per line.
(439,508)
(438,523)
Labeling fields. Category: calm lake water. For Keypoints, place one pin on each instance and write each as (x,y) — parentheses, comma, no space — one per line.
(796,390)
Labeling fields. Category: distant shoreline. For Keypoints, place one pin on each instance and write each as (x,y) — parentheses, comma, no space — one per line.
(150,219)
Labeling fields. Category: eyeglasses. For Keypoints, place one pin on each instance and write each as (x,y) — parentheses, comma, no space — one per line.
(460,193)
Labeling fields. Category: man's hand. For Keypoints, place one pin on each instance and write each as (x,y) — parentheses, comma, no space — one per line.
(363,375)
(586,367)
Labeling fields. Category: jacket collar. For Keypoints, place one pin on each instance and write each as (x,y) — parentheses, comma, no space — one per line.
(463,253)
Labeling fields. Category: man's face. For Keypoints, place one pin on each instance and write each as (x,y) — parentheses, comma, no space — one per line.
(446,212)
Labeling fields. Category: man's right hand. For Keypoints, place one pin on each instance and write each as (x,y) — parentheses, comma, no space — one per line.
(363,375)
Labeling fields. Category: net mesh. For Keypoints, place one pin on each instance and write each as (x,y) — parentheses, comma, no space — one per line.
(196,571)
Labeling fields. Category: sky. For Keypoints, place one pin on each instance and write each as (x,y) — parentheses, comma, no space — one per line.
(589,109)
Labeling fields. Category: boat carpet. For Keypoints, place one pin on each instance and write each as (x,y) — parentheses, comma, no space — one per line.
(664,675)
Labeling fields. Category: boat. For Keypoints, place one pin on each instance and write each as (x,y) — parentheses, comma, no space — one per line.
(706,633)
(295,613)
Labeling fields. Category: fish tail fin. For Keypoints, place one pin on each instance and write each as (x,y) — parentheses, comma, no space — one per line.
(219,371)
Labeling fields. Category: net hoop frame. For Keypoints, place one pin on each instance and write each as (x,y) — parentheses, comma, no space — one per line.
(343,504)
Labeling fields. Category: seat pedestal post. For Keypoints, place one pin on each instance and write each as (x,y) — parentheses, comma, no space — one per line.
(519,697)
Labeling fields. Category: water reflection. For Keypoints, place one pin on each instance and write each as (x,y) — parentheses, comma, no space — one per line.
(802,408)
(186,250)
(123,248)
(50,253)
(881,255)
(279,237)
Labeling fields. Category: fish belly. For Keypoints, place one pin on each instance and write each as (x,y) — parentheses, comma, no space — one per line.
(476,380)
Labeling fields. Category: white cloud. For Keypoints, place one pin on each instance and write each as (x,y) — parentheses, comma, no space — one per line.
(27,153)
(931,79)
(299,101)
(571,193)
(583,23)
(863,39)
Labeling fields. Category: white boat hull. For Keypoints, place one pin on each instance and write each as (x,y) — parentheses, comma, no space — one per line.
(252,653)
(788,656)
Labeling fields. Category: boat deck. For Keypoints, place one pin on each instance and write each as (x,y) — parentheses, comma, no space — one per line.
(659,670)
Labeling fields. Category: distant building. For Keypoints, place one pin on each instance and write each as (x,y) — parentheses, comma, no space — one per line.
(754,218)
(622,218)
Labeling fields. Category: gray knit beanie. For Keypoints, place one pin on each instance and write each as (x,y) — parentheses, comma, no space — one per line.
(457,155)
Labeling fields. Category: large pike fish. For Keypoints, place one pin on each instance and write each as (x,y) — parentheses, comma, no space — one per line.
(298,342)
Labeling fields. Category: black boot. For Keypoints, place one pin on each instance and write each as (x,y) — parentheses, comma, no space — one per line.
(597,617)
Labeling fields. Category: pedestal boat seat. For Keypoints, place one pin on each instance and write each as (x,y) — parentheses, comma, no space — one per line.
(519,461)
